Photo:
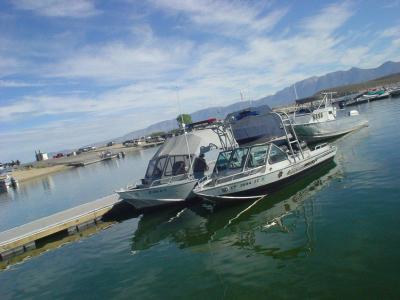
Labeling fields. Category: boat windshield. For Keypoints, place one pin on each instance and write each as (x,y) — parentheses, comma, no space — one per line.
(235,160)
(165,166)
(257,156)
(276,155)
(156,167)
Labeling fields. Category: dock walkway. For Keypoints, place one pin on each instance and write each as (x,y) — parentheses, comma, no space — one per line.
(17,240)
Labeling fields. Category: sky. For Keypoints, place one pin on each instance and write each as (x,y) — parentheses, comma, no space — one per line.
(76,72)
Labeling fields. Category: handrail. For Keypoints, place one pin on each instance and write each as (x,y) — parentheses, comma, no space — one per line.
(240,173)
(293,132)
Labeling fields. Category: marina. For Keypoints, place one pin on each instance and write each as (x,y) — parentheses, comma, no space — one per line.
(207,149)
(284,232)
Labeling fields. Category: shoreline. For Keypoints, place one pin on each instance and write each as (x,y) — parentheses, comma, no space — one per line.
(32,173)
(51,166)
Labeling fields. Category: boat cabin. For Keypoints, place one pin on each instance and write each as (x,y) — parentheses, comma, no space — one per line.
(323,114)
(248,158)
(179,157)
(167,166)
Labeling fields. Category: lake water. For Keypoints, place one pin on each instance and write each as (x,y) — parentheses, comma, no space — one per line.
(332,234)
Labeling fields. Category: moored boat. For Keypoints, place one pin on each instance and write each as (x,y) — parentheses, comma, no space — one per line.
(249,172)
(176,167)
(253,124)
(323,123)
(394,91)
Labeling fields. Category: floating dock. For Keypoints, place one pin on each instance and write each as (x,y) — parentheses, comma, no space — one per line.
(89,162)
(23,238)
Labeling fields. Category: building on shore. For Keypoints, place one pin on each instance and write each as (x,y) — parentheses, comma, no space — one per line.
(41,156)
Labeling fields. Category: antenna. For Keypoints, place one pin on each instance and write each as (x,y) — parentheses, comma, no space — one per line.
(248,90)
(183,126)
(295,91)
(241,97)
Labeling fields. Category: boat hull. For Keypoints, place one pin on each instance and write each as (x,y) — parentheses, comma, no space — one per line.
(159,195)
(261,184)
(318,131)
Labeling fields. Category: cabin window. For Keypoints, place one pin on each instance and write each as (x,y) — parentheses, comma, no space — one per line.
(156,167)
(238,158)
(257,156)
(276,155)
(177,165)
(222,161)
(150,168)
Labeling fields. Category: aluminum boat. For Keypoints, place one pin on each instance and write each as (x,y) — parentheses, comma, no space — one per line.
(249,172)
(170,176)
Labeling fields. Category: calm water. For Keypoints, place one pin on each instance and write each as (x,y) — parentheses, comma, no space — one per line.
(46,195)
(333,234)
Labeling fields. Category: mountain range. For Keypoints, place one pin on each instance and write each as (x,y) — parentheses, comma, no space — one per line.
(304,88)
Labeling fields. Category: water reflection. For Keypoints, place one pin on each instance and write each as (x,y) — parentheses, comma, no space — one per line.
(237,225)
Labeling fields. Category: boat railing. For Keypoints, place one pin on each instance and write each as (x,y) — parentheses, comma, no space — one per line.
(286,122)
(241,174)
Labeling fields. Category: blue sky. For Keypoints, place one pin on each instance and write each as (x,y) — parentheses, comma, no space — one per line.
(75,72)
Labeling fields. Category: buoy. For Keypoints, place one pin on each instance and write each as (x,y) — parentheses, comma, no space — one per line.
(353,113)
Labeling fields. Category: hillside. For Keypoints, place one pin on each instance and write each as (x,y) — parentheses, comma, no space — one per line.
(352,79)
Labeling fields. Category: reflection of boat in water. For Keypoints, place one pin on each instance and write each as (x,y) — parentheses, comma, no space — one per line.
(171,173)
(240,172)
(322,123)
(198,225)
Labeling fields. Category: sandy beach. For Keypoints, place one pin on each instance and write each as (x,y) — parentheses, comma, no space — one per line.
(30,173)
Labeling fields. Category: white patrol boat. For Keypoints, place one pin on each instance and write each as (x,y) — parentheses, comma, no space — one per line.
(323,123)
(171,174)
(241,173)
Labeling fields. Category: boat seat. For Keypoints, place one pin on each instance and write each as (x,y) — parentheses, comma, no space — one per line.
(178,168)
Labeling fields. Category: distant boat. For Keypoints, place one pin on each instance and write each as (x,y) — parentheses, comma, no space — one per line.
(373,95)
(5,182)
(376,95)
(171,175)
(395,91)
(108,155)
(322,123)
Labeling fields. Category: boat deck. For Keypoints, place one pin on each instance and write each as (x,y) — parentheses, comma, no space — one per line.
(17,240)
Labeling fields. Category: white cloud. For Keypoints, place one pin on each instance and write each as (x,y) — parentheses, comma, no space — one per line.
(17,84)
(225,17)
(329,19)
(58,8)
(124,61)
(391,32)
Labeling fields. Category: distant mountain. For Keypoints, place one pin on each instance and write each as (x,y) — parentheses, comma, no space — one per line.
(305,88)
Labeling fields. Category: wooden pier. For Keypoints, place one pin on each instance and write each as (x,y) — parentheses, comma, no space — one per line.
(23,238)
